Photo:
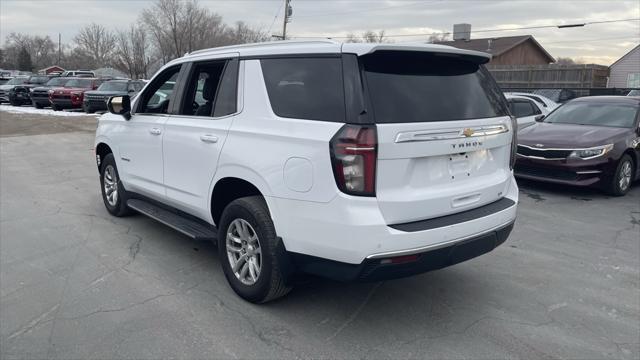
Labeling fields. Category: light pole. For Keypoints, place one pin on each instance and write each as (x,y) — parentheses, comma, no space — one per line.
(288,11)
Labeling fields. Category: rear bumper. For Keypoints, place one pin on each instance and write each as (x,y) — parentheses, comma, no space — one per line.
(352,230)
(377,269)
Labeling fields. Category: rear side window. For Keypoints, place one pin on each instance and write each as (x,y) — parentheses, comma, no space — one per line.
(521,108)
(407,87)
(305,88)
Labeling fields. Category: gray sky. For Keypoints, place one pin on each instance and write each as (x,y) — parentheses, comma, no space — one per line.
(597,43)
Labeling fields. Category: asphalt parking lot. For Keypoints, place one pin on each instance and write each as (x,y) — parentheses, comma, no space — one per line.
(78,283)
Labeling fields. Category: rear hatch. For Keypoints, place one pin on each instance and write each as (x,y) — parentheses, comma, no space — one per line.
(444,133)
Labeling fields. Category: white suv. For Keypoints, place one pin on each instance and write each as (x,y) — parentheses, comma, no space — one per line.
(356,162)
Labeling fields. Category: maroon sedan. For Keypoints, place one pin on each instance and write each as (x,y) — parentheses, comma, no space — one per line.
(589,141)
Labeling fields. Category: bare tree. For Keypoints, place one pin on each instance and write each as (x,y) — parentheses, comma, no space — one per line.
(368,36)
(97,43)
(566,61)
(178,27)
(131,53)
(41,49)
(438,37)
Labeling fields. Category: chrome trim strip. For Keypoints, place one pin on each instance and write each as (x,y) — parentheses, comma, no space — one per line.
(559,149)
(439,245)
(448,134)
(539,158)
(588,172)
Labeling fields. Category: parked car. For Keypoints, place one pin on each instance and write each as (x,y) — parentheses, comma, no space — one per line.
(71,95)
(277,151)
(21,94)
(96,100)
(559,96)
(541,101)
(4,89)
(525,109)
(4,79)
(78,73)
(635,92)
(40,94)
(589,141)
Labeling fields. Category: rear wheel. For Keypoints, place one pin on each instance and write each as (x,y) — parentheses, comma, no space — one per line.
(55,107)
(251,259)
(620,182)
(37,105)
(113,194)
(14,103)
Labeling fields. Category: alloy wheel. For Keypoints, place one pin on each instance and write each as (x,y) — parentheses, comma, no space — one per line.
(624,178)
(244,251)
(111,185)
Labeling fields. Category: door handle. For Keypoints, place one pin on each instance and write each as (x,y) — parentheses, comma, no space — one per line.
(155,131)
(209,138)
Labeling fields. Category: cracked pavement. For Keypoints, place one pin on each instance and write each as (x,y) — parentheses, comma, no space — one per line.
(77,283)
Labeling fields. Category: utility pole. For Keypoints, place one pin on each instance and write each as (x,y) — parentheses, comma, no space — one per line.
(59,47)
(288,11)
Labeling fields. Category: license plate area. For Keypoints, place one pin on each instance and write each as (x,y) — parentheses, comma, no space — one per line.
(459,165)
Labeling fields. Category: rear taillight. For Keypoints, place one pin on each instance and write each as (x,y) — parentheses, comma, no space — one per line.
(514,142)
(353,158)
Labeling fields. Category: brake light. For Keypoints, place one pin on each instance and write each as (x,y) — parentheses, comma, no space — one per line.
(514,142)
(353,158)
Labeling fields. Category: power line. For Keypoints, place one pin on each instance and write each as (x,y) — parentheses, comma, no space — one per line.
(592,40)
(275,17)
(488,30)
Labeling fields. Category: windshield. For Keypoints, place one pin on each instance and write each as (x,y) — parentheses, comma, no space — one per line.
(422,87)
(57,82)
(38,79)
(79,83)
(113,86)
(595,114)
(16,81)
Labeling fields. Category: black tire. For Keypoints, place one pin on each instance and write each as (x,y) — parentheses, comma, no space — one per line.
(14,103)
(616,187)
(37,105)
(119,206)
(88,109)
(55,107)
(275,269)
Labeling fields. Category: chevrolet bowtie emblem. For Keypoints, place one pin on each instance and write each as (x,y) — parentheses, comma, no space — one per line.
(468,132)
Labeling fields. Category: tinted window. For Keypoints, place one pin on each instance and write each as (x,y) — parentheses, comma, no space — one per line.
(305,88)
(157,97)
(421,87)
(594,113)
(520,108)
(227,97)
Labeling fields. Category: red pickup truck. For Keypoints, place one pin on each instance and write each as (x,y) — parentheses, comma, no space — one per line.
(71,95)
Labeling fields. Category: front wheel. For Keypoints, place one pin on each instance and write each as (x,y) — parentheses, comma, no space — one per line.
(252,260)
(620,182)
(55,107)
(37,105)
(113,194)
(88,109)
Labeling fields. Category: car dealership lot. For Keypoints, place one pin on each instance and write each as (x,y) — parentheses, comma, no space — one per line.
(78,283)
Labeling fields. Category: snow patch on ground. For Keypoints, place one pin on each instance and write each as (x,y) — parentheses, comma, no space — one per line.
(31,110)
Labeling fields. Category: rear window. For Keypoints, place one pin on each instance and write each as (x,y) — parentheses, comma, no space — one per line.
(423,87)
(305,88)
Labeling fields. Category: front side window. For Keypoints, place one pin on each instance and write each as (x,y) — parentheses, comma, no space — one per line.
(407,87)
(157,97)
(305,88)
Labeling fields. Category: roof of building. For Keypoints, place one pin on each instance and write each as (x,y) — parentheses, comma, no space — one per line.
(496,46)
(51,67)
(324,46)
(627,54)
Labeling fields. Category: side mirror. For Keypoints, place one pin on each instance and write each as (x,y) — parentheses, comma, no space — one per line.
(120,105)
(539,118)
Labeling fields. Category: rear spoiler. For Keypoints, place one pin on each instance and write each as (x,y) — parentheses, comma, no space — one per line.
(364,49)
